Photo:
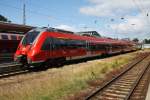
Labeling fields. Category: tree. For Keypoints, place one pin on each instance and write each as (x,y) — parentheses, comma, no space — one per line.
(135,40)
(147,41)
(4,19)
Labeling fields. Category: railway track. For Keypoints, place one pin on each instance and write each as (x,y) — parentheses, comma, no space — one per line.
(126,85)
(11,69)
(4,58)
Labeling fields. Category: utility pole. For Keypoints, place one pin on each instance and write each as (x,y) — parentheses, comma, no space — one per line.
(24,13)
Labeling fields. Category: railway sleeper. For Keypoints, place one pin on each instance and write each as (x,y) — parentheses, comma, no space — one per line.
(129,77)
(106,97)
(117,91)
(121,89)
(103,98)
(126,81)
(106,94)
(121,86)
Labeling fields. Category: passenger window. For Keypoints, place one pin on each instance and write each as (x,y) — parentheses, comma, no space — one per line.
(72,44)
(47,44)
(76,44)
(68,43)
(13,37)
(56,43)
(59,43)
(5,37)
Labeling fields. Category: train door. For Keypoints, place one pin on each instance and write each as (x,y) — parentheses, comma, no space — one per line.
(88,48)
(109,49)
(47,48)
(57,46)
(50,53)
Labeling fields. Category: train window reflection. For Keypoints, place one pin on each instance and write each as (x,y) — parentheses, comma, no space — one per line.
(30,37)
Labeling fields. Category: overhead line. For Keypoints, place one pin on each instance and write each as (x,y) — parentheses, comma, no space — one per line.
(37,13)
(30,11)
(141,8)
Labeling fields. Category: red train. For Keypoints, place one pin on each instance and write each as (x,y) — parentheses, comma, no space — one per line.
(49,45)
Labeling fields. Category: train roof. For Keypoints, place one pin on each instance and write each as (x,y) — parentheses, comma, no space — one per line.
(72,35)
(16,28)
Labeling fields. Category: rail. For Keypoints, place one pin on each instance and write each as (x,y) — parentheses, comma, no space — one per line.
(105,86)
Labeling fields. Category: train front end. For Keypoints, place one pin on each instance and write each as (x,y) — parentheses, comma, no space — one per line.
(26,51)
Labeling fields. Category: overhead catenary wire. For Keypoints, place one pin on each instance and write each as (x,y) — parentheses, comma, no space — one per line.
(30,11)
(49,17)
(35,12)
(143,10)
(41,10)
(139,4)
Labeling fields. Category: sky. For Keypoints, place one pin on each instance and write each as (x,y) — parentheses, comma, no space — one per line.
(111,18)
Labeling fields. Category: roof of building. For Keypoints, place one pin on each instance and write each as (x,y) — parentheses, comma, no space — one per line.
(90,33)
(11,27)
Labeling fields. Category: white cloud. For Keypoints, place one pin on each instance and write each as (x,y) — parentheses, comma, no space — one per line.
(137,26)
(78,28)
(114,7)
(135,22)
(132,24)
(66,27)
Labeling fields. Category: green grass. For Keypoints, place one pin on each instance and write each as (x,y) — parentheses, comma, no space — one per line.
(57,83)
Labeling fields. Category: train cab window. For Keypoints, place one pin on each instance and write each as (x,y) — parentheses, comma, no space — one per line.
(13,37)
(47,44)
(5,37)
(30,37)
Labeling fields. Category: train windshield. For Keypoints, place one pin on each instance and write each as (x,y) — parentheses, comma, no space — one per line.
(30,37)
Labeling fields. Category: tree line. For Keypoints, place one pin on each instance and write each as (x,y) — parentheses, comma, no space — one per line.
(4,19)
(147,41)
